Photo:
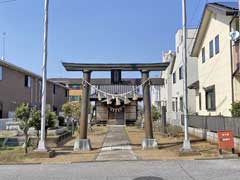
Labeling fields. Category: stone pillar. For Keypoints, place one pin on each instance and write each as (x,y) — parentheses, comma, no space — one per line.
(149,141)
(82,143)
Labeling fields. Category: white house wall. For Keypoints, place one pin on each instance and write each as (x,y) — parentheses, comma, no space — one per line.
(216,70)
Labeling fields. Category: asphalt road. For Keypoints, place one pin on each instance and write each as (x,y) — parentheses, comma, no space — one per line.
(127,170)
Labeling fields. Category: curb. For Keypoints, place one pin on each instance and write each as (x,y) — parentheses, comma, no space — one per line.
(105,161)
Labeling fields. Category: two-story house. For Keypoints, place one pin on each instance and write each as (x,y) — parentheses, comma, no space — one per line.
(218,84)
(174,78)
(166,89)
(18,85)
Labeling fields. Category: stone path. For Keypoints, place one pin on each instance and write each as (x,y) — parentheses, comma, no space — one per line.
(116,146)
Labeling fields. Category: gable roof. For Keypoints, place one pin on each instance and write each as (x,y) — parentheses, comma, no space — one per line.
(228,5)
(116,89)
(11,66)
(225,8)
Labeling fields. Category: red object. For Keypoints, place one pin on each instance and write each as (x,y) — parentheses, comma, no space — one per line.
(225,140)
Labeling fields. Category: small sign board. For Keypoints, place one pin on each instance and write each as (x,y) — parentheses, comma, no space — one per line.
(225,140)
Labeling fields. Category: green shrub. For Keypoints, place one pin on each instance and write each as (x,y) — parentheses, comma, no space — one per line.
(235,110)
(61,121)
(155,113)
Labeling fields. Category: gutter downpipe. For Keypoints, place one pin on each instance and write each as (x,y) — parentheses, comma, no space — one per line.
(231,54)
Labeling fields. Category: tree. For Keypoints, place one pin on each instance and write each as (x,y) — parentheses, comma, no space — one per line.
(155,113)
(235,110)
(76,111)
(67,110)
(36,121)
(72,110)
(50,120)
(23,113)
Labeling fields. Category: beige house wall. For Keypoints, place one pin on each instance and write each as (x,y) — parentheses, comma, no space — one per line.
(236,83)
(13,91)
(216,70)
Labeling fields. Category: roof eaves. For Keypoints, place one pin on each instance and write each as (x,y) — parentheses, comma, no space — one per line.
(212,7)
(22,70)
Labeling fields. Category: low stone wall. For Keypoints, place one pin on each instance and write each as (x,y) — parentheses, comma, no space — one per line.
(53,142)
(3,123)
(211,136)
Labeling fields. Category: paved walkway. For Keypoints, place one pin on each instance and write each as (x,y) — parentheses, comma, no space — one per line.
(116,146)
(127,170)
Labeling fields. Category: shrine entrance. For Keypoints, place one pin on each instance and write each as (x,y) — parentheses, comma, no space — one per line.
(113,101)
(116,116)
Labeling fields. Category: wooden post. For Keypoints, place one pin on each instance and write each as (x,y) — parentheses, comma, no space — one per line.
(148,141)
(82,143)
(164,120)
(84,106)
(147,106)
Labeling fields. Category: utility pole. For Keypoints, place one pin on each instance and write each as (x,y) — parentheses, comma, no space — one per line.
(42,144)
(239,31)
(186,143)
(3,45)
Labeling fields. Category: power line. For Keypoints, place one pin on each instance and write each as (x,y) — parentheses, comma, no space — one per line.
(196,30)
(7,1)
(195,12)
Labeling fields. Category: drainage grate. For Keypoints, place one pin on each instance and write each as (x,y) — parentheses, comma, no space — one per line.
(148,178)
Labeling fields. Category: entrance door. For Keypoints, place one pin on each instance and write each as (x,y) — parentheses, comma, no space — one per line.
(116,118)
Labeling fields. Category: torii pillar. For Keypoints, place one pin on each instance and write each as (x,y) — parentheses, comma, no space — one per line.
(148,141)
(82,143)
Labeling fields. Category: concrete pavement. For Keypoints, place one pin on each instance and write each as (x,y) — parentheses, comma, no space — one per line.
(116,146)
(127,170)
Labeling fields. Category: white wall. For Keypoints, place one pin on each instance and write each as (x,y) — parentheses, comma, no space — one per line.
(172,92)
(216,70)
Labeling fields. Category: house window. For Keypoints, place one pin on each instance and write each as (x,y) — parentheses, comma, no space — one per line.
(74,98)
(174,77)
(217,44)
(54,89)
(211,49)
(1,73)
(200,101)
(181,73)
(173,106)
(181,104)
(210,98)
(75,86)
(27,81)
(66,93)
(203,55)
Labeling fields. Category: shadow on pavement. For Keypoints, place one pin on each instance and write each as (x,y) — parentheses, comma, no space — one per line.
(149,178)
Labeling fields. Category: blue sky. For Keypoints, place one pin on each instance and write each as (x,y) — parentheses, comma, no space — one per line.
(93,31)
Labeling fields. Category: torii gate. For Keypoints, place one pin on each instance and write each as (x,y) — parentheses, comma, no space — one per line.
(82,143)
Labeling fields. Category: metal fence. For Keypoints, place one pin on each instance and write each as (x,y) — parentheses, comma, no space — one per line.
(215,123)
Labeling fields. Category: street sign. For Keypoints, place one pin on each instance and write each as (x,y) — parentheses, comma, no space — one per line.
(225,141)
